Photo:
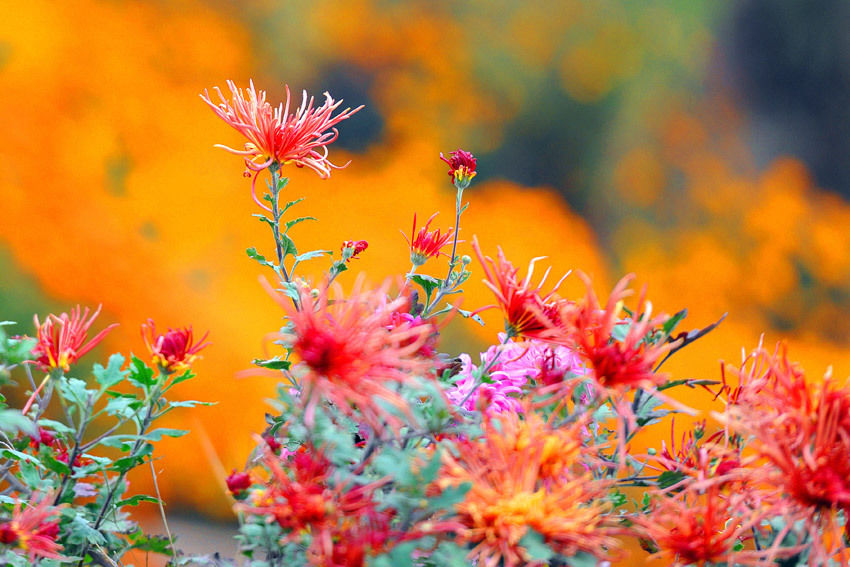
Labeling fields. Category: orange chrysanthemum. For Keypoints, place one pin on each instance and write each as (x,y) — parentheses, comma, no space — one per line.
(526,477)
(802,428)
(525,309)
(62,339)
(276,136)
(354,352)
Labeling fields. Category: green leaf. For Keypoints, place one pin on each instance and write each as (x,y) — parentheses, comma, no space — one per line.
(56,426)
(670,325)
(287,246)
(124,464)
(582,559)
(275,363)
(312,254)
(537,549)
(253,254)
(428,283)
(56,466)
(449,497)
(112,374)
(293,222)
(189,403)
(125,406)
(141,375)
(669,478)
(18,456)
(12,421)
(157,434)
(289,205)
(74,389)
(470,315)
(135,500)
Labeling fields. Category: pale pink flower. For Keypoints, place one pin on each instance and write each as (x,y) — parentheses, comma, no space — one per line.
(516,365)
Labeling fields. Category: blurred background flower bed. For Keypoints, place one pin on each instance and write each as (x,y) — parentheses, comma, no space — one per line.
(700,145)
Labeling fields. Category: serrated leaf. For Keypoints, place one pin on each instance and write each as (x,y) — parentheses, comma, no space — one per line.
(313,254)
(141,375)
(12,421)
(158,434)
(290,204)
(287,246)
(112,374)
(428,283)
(74,389)
(293,222)
(254,255)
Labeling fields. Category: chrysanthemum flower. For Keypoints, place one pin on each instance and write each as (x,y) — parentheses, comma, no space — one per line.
(589,328)
(802,428)
(461,167)
(352,248)
(525,309)
(513,366)
(426,244)
(173,351)
(342,519)
(526,477)
(354,354)
(276,136)
(704,523)
(33,529)
(62,339)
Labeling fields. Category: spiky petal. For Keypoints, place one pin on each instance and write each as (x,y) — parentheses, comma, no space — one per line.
(276,136)
(62,339)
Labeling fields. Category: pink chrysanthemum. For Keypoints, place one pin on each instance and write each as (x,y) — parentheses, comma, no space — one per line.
(276,136)
(33,529)
(62,339)
(354,352)
(173,351)
(517,365)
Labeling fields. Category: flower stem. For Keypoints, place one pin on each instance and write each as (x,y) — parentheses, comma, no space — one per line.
(453,258)
(277,213)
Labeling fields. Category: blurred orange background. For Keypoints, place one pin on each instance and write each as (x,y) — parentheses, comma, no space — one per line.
(686,142)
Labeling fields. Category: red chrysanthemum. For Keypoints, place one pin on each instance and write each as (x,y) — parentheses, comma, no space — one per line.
(461,167)
(354,352)
(526,311)
(62,339)
(34,529)
(426,244)
(706,521)
(276,136)
(342,519)
(352,248)
(802,428)
(173,351)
